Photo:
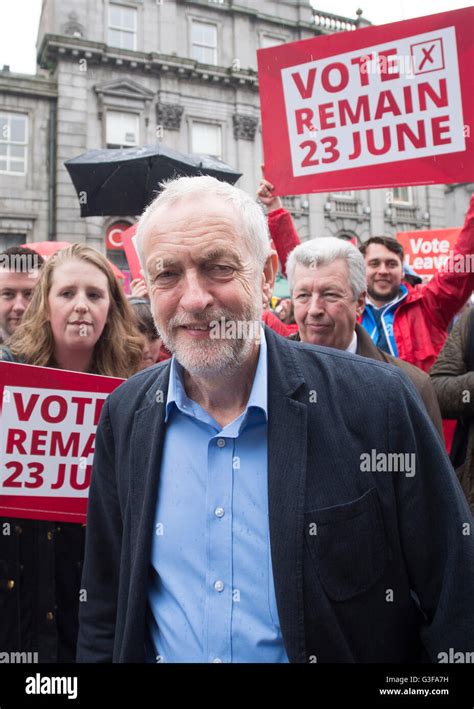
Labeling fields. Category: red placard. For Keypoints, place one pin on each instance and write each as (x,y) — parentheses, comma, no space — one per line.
(429,251)
(383,106)
(48,421)
(128,240)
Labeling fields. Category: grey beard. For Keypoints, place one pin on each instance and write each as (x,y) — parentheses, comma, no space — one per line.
(216,357)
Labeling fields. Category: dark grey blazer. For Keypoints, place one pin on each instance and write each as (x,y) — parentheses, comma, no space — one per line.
(389,574)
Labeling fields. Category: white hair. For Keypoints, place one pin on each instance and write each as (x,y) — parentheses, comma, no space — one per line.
(323,251)
(254,232)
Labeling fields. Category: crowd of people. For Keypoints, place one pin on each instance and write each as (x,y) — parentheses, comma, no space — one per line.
(355,360)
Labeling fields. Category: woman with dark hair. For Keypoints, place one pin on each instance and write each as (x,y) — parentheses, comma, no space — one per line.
(78,319)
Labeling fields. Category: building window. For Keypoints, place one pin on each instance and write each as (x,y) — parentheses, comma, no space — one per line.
(13,143)
(122,27)
(122,129)
(9,240)
(207,139)
(402,195)
(270,40)
(344,194)
(204,42)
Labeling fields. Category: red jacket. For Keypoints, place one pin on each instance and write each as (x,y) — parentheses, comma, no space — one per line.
(421,321)
(284,235)
(273,321)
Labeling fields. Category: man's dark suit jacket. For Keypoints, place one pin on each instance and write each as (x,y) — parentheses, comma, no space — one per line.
(420,380)
(387,573)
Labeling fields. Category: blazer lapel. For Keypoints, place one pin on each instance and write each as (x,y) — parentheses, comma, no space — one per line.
(146,446)
(365,345)
(287,450)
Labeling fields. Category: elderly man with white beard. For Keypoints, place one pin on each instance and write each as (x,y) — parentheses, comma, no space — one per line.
(231,518)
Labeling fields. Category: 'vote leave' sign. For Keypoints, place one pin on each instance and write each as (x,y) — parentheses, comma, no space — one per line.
(48,421)
(379,107)
(431,251)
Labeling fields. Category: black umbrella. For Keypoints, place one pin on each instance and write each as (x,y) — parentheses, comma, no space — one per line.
(122,182)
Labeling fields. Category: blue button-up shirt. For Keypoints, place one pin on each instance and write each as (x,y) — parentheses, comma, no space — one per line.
(211,593)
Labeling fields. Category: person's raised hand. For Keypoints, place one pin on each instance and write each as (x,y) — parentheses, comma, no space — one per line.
(138,288)
(265,193)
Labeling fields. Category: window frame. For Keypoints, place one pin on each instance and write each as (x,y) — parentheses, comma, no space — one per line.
(408,201)
(201,21)
(343,194)
(136,115)
(18,238)
(215,124)
(114,28)
(24,144)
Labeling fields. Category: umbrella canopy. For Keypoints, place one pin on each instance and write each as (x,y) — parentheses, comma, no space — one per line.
(122,182)
(48,248)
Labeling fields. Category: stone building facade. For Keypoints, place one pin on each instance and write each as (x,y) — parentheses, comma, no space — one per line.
(182,72)
(27,158)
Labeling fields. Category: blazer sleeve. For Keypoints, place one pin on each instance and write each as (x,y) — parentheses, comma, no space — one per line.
(430,400)
(100,578)
(435,529)
(453,384)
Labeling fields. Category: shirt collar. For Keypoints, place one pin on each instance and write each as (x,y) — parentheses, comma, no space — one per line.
(258,398)
(353,344)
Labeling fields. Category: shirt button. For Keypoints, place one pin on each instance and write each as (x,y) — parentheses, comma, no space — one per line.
(49,615)
(219,511)
(221,442)
(18,529)
(219,586)
(50,536)
(10,584)
(217,660)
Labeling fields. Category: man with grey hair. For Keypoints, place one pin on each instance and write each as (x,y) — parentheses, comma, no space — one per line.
(327,283)
(233,515)
(405,321)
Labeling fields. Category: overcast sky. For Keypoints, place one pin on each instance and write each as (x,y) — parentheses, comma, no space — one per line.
(19,21)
